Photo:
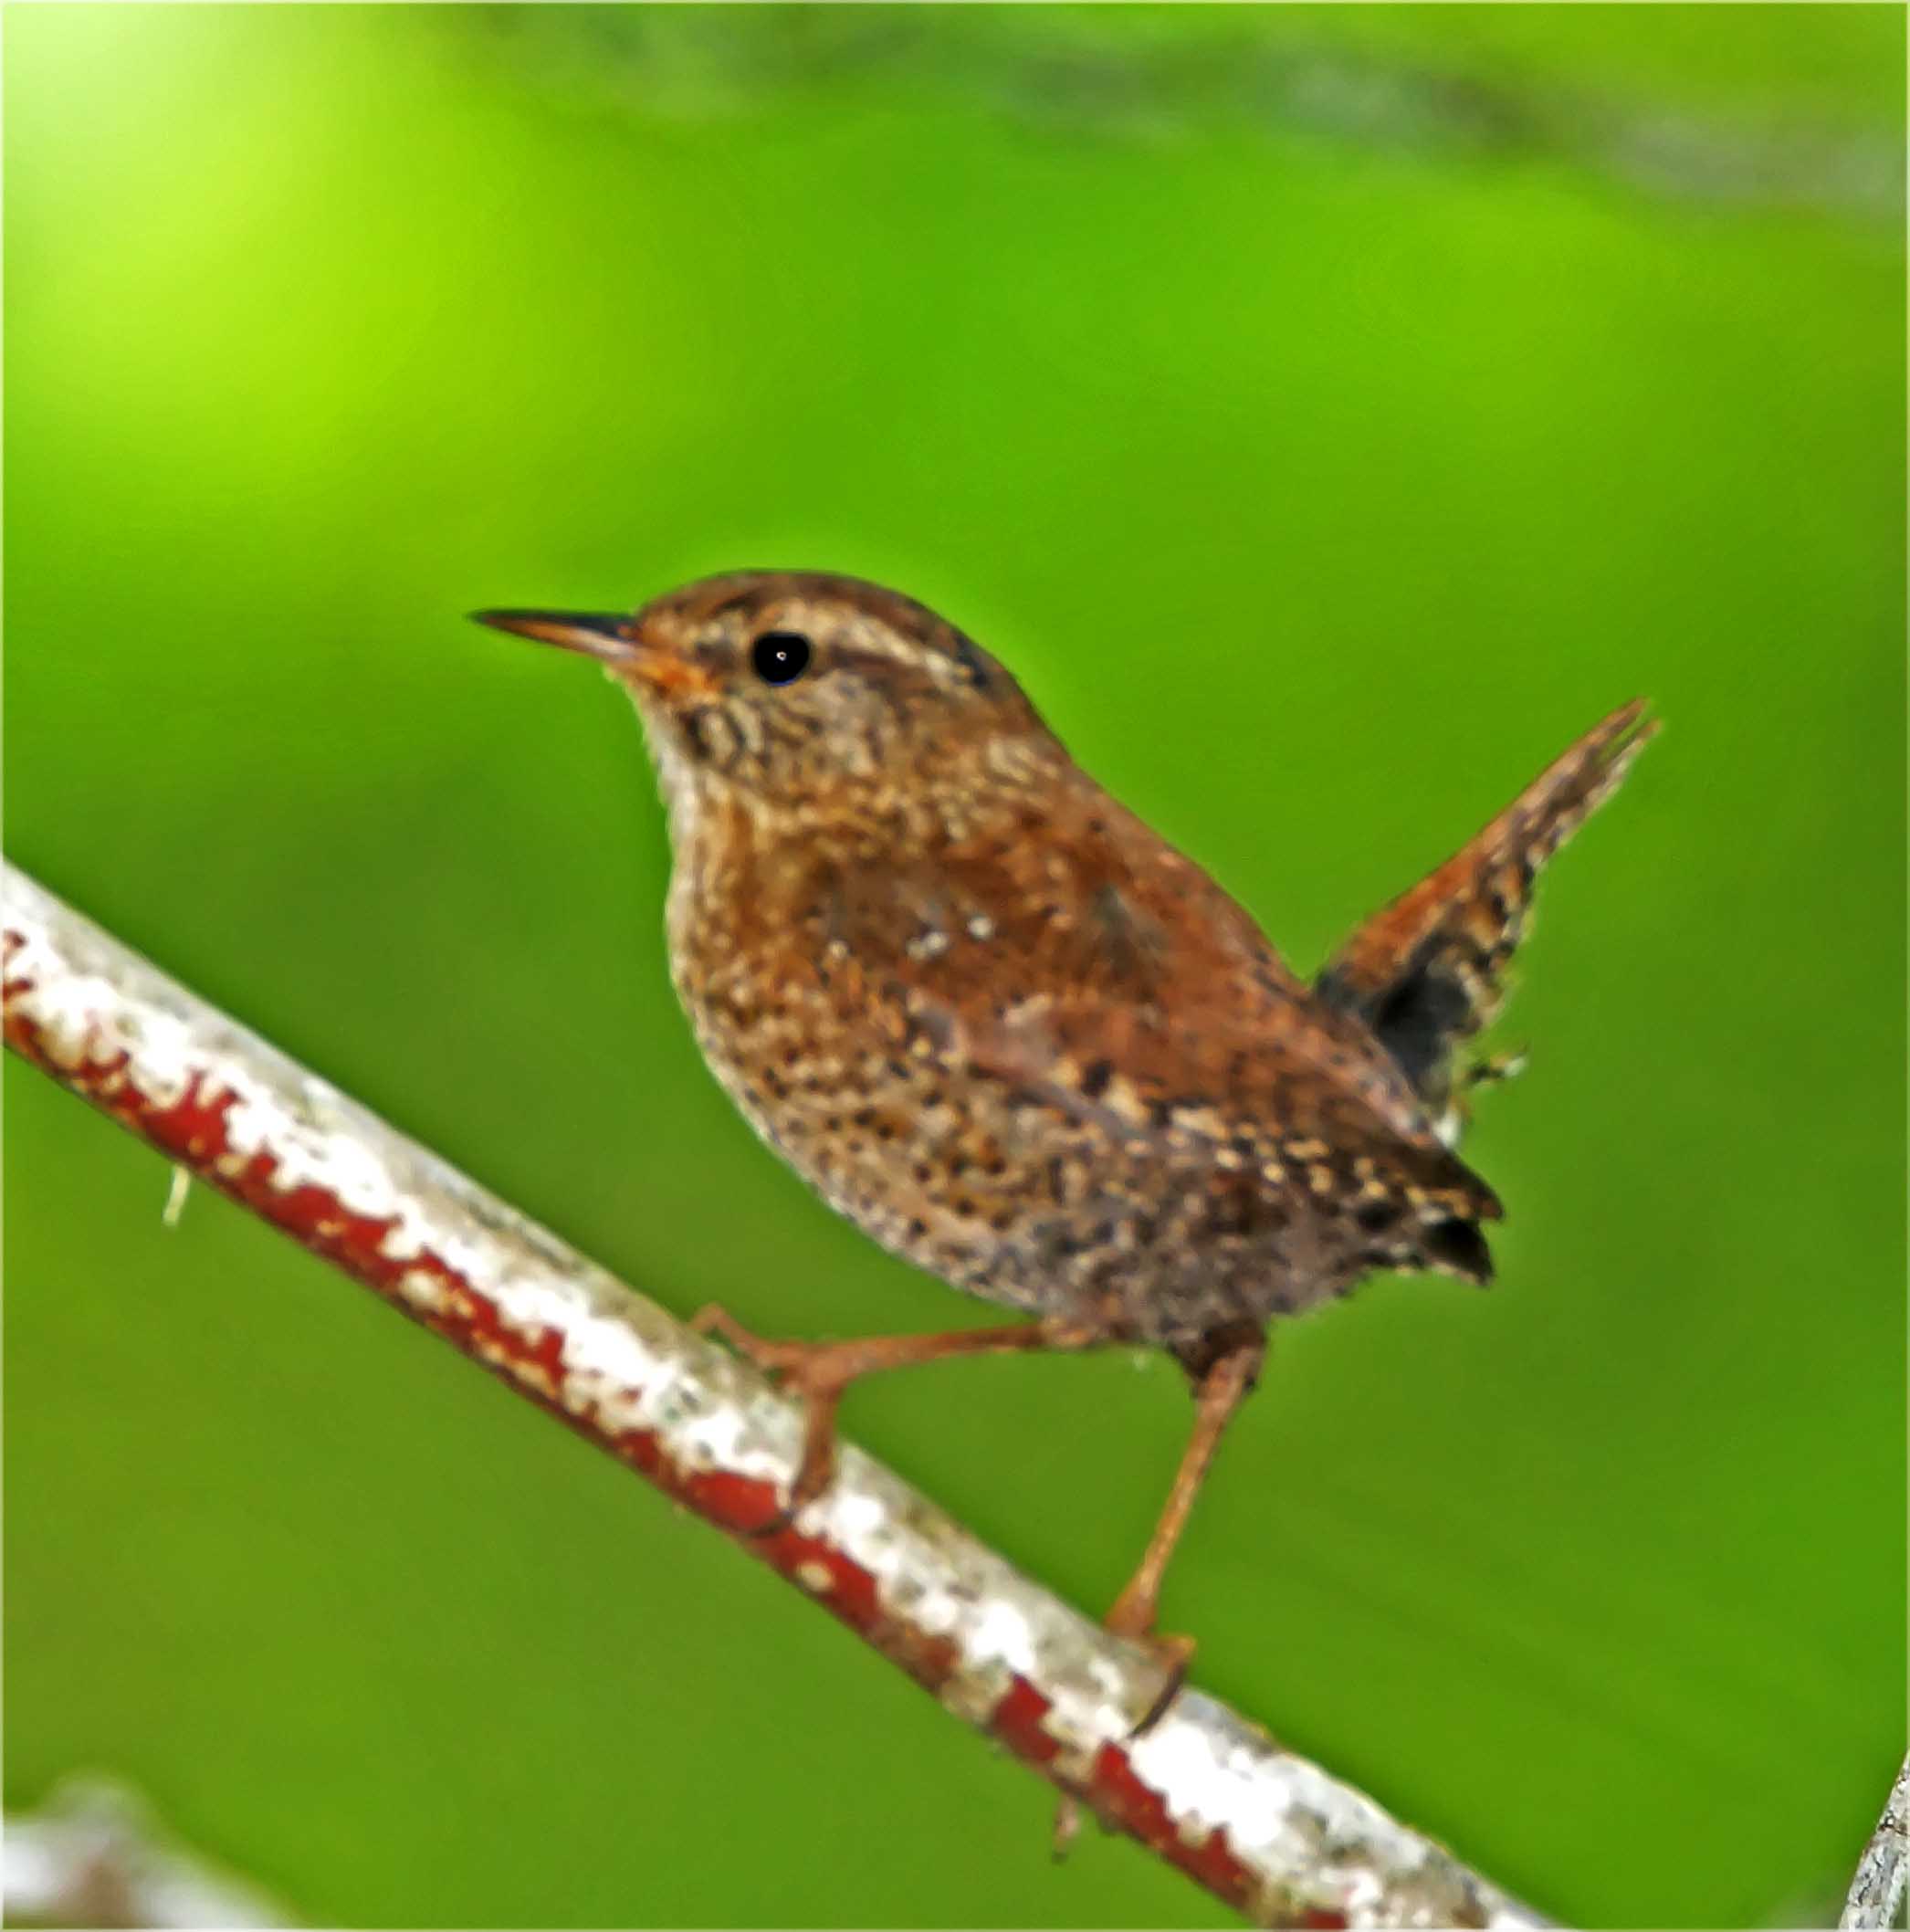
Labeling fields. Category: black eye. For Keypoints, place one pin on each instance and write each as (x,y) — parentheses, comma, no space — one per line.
(780,657)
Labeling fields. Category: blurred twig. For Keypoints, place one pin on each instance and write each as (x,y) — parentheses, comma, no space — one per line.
(1878,1888)
(1133,77)
(1266,1832)
(93,1855)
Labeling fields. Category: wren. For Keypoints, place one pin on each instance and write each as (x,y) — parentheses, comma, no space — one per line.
(1015,1036)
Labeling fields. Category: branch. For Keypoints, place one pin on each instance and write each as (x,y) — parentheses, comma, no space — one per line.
(1266,1832)
(1878,1888)
(93,1854)
(1317,84)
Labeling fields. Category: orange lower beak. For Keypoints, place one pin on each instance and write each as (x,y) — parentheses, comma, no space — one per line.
(613,639)
(596,634)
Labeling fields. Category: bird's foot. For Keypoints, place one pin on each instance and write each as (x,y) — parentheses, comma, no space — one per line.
(818,1372)
(778,1359)
(1132,1617)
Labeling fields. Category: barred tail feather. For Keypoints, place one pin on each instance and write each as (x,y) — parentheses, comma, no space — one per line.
(1428,973)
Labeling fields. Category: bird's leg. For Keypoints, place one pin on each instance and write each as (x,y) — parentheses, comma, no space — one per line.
(819,1372)
(1224,1383)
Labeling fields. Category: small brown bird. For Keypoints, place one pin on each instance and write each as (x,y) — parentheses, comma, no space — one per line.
(1018,1038)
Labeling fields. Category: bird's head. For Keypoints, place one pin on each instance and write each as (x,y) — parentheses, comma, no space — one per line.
(790,685)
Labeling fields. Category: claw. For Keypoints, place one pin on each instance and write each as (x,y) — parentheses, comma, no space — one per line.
(784,1518)
(793,1365)
(1068,1828)
(819,1371)
(1175,1655)
(809,1484)
(1133,1617)
(715,1322)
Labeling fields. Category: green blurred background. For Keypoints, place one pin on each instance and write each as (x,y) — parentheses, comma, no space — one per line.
(1329,414)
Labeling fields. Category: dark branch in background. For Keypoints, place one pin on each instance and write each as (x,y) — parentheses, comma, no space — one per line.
(1268,1832)
(1877,1890)
(1069,70)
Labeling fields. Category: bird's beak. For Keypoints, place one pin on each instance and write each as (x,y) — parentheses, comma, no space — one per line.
(613,639)
(597,634)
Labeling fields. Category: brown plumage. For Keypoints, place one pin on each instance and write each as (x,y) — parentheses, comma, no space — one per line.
(1015,1036)
(1427,972)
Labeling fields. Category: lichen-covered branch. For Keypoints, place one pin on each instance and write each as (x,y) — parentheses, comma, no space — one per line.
(1878,1888)
(1267,1832)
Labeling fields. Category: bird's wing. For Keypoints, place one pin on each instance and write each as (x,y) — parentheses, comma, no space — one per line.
(1106,976)
(1428,971)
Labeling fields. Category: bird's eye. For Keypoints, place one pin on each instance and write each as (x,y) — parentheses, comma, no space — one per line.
(780,657)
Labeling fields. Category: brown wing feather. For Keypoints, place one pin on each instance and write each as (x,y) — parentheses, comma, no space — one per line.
(1164,1014)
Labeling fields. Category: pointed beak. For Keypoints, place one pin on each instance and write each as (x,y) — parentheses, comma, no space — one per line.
(597,634)
(614,640)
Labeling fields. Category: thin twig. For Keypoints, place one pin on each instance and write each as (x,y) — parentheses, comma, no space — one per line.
(1266,1832)
(1878,1888)
(93,1854)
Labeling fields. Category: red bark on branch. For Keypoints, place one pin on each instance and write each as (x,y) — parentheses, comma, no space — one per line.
(1268,1832)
